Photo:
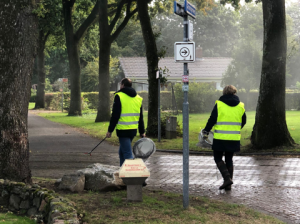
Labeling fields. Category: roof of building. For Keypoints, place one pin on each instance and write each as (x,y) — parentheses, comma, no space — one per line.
(207,67)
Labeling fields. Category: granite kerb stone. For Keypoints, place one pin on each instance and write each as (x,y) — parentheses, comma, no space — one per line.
(37,203)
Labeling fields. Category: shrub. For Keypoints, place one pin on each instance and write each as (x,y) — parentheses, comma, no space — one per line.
(201,97)
(32,96)
(91,99)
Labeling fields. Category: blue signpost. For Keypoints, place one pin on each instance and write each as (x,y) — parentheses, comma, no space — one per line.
(190,9)
(184,11)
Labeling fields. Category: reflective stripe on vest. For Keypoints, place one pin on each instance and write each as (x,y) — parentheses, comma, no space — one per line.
(229,121)
(130,111)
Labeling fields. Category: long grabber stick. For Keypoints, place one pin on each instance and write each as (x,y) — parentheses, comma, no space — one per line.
(95,147)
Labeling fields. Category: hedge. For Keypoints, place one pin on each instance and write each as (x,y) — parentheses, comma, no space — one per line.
(201,99)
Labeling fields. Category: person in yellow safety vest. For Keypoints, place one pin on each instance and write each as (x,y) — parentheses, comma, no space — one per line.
(127,117)
(228,118)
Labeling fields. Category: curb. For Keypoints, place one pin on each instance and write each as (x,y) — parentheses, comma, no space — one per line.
(208,153)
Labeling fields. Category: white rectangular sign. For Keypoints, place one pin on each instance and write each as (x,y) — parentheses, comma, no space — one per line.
(184,52)
(191,31)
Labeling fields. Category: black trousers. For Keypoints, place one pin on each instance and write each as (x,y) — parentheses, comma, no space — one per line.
(228,157)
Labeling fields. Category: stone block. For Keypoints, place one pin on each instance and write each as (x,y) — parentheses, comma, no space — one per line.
(98,176)
(25,204)
(117,180)
(14,202)
(32,212)
(171,134)
(134,193)
(72,182)
(171,125)
(43,205)
(4,198)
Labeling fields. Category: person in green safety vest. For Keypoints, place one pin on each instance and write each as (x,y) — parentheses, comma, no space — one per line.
(228,117)
(126,118)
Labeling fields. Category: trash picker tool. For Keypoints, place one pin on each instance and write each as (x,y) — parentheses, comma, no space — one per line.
(90,153)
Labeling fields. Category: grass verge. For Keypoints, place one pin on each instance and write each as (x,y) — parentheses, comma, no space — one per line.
(157,207)
(196,122)
(31,106)
(10,218)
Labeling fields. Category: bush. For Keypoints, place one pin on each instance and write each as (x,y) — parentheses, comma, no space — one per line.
(201,98)
(91,98)
(32,96)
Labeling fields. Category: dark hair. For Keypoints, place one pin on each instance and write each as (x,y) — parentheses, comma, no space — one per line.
(126,82)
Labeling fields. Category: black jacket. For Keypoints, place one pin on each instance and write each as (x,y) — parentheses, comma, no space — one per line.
(225,145)
(116,113)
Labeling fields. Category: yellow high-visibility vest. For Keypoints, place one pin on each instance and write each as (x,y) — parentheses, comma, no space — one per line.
(130,111)
(228,126)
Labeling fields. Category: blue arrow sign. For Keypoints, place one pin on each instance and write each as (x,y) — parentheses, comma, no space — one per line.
(189,9)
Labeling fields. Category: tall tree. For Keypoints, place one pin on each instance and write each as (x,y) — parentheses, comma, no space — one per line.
(18,42)
(108,33)
(270,129)
(153,56)
(49,24)
(73,41)
(152,62)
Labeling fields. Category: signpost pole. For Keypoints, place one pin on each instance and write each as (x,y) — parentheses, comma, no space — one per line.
(62,100)
(185,52)
(159,121)
(185,113)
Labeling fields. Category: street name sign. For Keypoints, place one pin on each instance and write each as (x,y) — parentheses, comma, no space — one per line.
(190,9)
(184,52)
(178,9)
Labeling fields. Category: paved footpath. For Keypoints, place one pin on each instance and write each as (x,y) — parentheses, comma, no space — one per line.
(268,184)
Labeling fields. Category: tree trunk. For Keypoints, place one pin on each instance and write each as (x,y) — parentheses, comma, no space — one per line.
(40,94)
(18,38)
(103,113)
(74,62)
(106,39)
(270,129)
(152,62)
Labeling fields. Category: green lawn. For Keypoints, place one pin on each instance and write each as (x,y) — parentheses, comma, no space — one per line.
(196,123)
(96,207)
(10,218)
(31,106)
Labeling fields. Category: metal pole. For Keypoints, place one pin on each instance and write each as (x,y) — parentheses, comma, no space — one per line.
(62,100)
(158,123)
(185,112)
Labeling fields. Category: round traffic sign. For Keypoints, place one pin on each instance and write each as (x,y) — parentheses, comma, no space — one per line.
(184,52)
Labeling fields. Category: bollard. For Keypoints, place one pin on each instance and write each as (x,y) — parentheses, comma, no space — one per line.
(171,124)
(133,173)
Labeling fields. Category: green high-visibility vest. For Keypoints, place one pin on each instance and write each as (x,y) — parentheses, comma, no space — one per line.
(130,111)
(228,126)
